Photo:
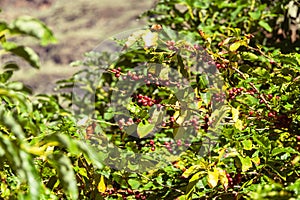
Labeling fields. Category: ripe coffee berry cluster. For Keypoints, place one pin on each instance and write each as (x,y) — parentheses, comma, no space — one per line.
(171,45)
(220,66)
(234,92)
(234,181)
(144,100)
(272,114)
(195,123)
(150,79)
(251,91)
(117,72)
(172,146)
(152,144)
(130,193)
(220,97)
(122,122)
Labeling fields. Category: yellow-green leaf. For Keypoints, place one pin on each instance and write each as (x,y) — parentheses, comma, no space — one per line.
(265,25)
(144,129)
(191,170)
(256,160)
(101,186)
(239,124)
(235,46)
(246,163)
(247,144)
(222,177)
(213,178)
(235,114)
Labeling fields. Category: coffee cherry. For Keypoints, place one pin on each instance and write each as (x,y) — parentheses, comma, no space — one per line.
(270,96)
(272,114)
(172,119)
(138,196)
(129,191)
(151,142)
(153,148)
(238,178)
(251,112)
(179,143)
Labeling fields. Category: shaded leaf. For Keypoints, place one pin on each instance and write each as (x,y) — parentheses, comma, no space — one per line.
(265,25)
(24,52)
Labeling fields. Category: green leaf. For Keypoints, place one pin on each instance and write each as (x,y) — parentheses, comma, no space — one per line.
(144,129)
(246,163)
(192,184)
(24,52)
(33,27)
(11,66)
(279,150)
(247,144)
(235,46)
(249,56)
(239,124)
(191,170)
(265,25)
(255,15)
(66,174)
(135,184)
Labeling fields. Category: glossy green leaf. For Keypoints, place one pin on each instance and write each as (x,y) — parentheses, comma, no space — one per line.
(246,163)
(144,129)
(33,27)
(66,174)
(24,52)
(265,25)
(135,184)
(247,144)
(255,15)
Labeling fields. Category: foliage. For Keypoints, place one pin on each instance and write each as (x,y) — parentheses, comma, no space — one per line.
(203,106)
(36,147)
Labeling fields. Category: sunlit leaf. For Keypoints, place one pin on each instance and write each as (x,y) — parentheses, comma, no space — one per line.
(144,129)
(101,186)
(213,178)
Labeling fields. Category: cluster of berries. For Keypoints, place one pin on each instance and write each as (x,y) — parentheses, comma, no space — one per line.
(148,79)
(234,181)
(152,144)
(195,123)
(221,66)
(122,122)
(145,100)
(172,146)
(136,194)
(234,92)
(171,45)
(219,97)
(117,72)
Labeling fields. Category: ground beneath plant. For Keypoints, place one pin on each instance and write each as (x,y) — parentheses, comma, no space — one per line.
(79,26)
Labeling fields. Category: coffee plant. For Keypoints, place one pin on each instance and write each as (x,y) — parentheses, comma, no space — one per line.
(202,104)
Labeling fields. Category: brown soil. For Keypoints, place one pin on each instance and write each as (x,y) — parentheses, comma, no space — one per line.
(79,26)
